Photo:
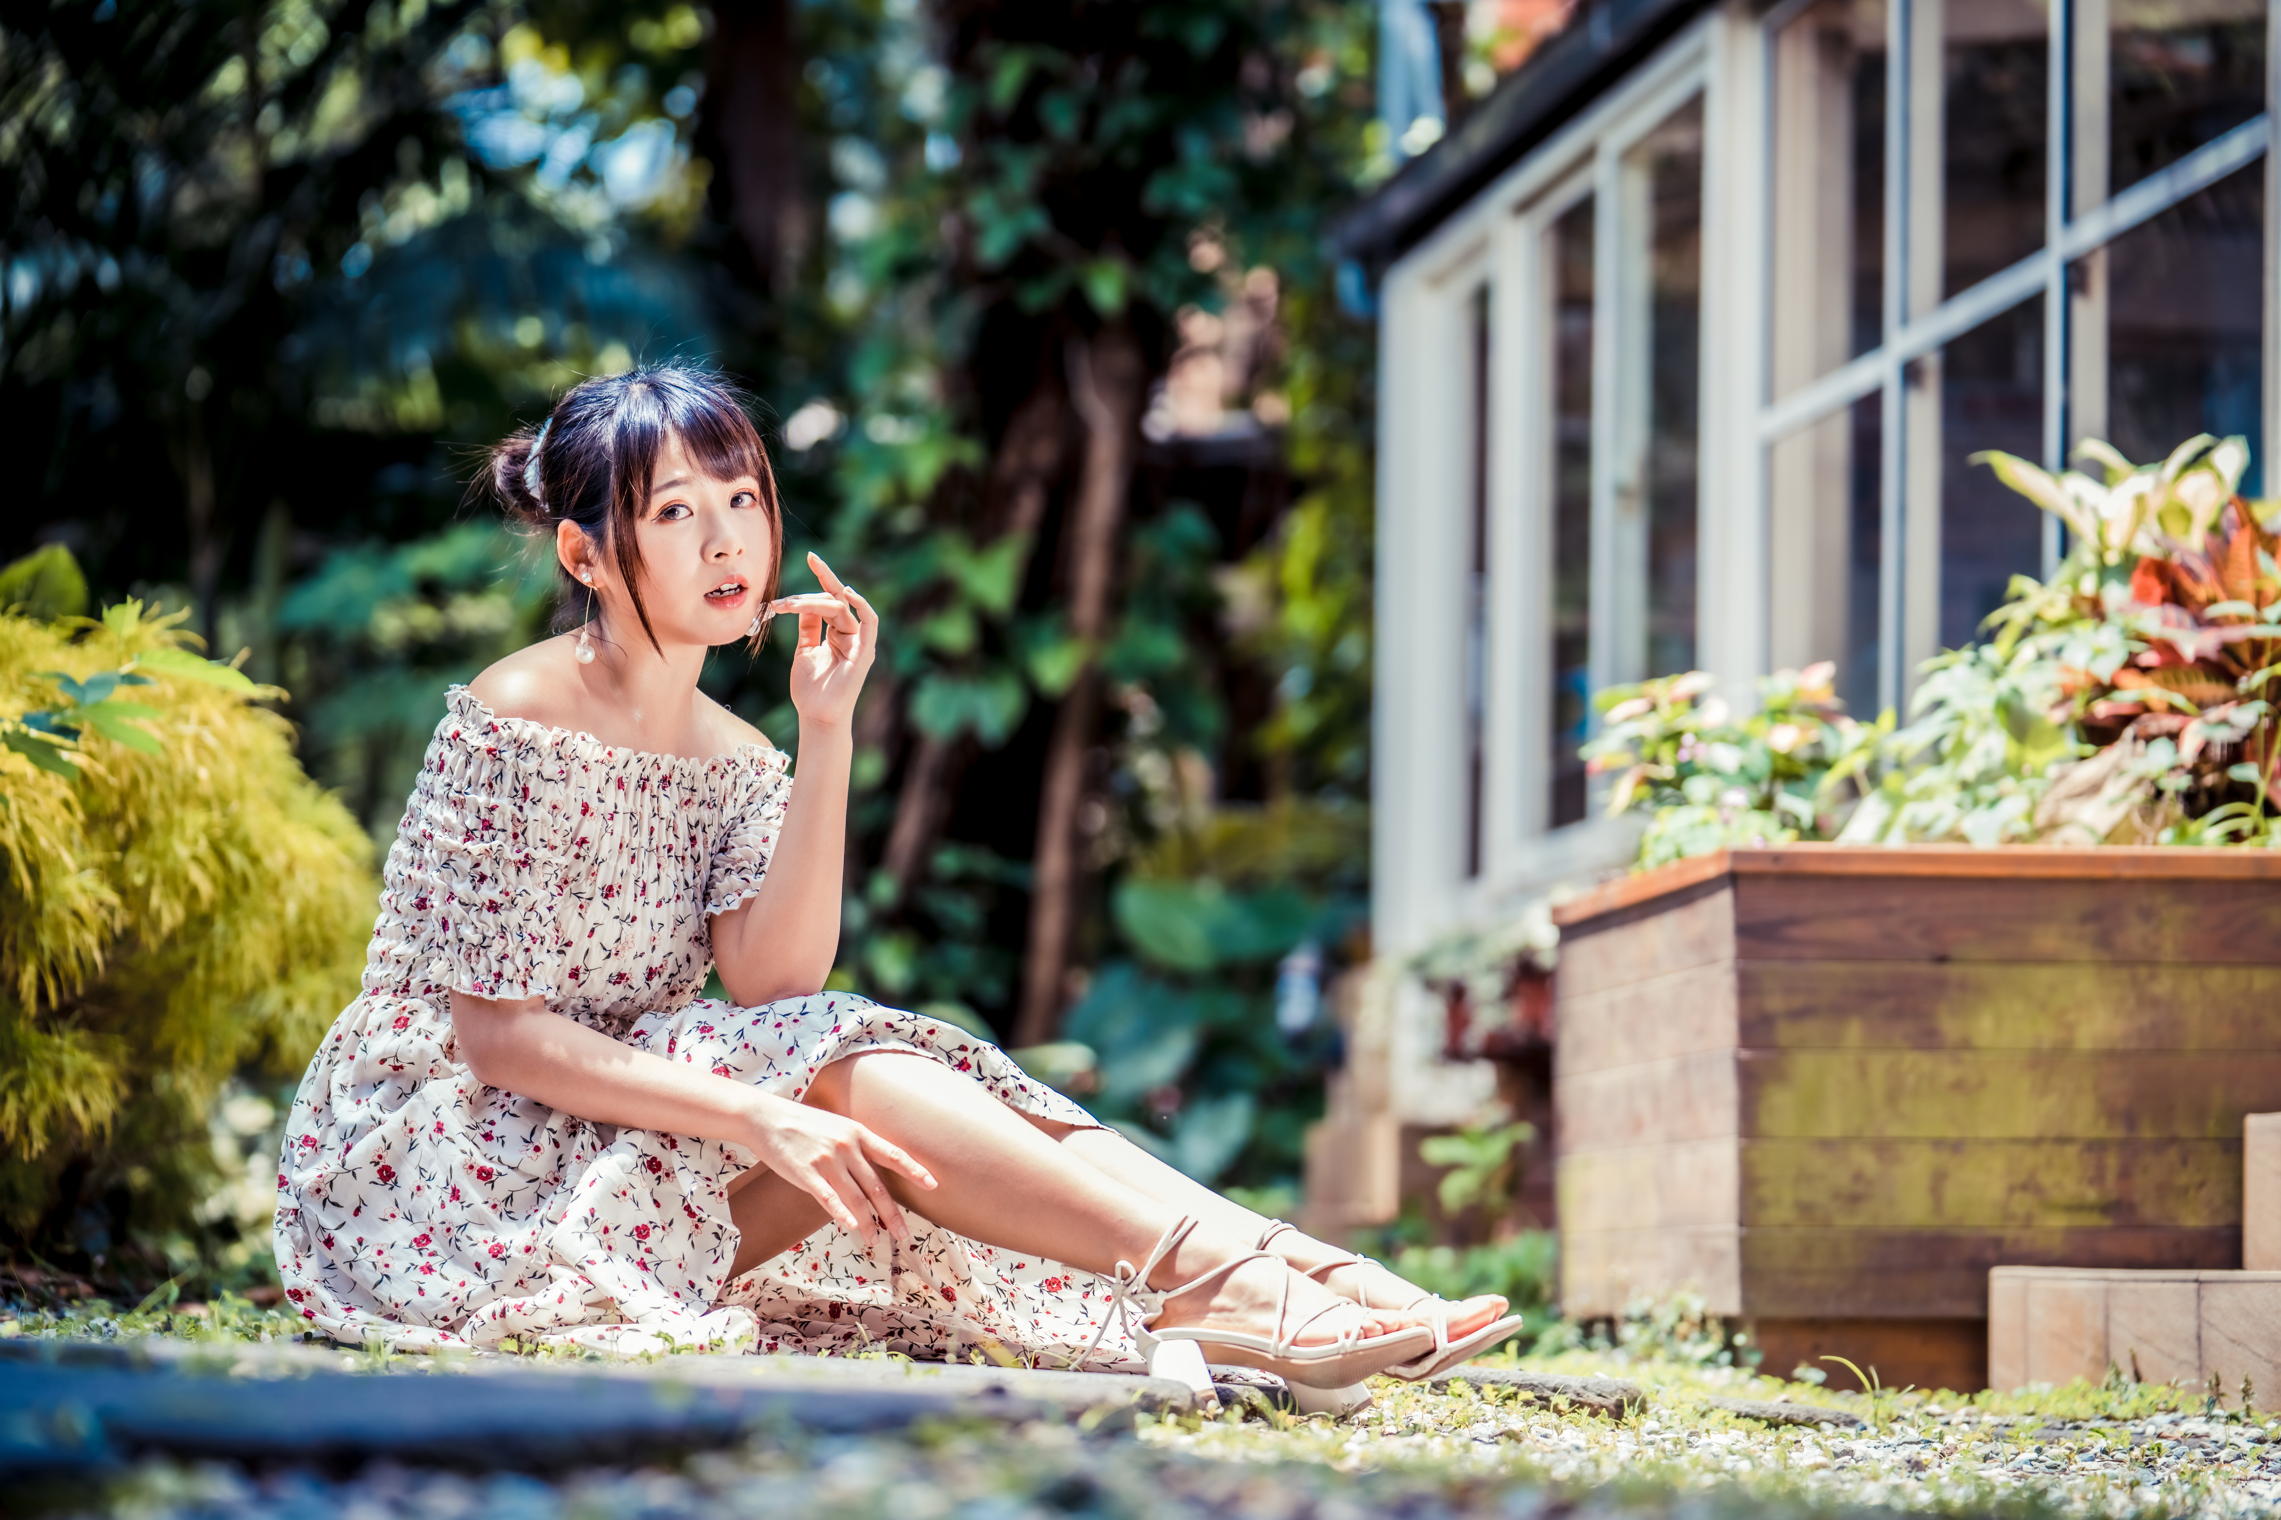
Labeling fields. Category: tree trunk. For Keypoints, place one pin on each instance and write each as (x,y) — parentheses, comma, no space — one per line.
(1027,459)
(751,133)
(1108,380)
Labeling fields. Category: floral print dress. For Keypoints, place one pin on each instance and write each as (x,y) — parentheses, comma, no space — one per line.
(422,1208)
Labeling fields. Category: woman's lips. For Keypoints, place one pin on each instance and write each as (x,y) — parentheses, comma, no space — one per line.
(734,599)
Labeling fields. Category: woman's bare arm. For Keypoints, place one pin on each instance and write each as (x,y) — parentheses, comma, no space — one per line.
(525,1047)
(781,941)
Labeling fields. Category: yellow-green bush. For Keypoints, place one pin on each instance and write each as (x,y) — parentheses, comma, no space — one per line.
(179,904)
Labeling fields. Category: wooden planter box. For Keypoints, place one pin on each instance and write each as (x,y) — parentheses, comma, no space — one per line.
(1830,1087)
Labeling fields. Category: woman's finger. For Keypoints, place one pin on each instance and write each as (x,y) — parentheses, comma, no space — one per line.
(827,1192)
(811,631)
(887,1153)
(824,573)
(816,603)
(882,1202)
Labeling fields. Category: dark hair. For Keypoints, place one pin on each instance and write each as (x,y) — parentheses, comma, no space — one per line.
(598,455)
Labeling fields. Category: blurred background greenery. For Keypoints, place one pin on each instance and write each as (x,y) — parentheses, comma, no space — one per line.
(1036,299)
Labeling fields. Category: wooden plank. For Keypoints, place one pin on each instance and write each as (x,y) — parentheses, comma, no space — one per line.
(1927,861)
(1683,1185)
(1936,1274)
(2011,862)
(1941,1094)
(2261,1193)
(1635,888)
(1924,1353)
(1690,1097)
(1692,928)
(1601,1271)
(1679,1013)
(1792,917)
(1989,1184)
(2030,1005)
(2154,1328)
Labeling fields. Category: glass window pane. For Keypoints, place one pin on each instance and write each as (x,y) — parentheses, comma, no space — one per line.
(1569,245)
(2184,306)
(1829,188)
(2181,72)
(1670,163)
(1995,62)
(1983,391)
(1477,585)
(1827,542)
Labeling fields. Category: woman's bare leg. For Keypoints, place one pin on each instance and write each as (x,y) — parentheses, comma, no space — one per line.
(1004,1181)
(1113,1154)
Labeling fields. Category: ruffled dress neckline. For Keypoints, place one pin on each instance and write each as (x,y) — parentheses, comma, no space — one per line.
(585,746)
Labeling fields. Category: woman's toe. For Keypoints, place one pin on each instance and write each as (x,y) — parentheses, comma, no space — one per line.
(1475,1314)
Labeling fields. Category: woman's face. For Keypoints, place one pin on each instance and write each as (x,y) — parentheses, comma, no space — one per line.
(695,534)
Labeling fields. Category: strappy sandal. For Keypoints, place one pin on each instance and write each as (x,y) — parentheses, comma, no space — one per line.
(1446,1353)
(1330,1372)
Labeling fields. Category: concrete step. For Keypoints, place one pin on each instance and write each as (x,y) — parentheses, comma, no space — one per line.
(75,1406)
(2052,1324)
(2261,1192)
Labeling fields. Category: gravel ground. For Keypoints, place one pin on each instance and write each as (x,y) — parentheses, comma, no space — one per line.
(2119,1449)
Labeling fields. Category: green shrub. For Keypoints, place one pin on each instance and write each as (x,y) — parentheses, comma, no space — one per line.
(179,906)
(2126,700)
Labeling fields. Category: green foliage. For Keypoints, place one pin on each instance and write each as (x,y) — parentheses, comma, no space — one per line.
(1708,779)
(1483,1163)
(45,584)
(2125,700)
(178,902)
(1523,1268)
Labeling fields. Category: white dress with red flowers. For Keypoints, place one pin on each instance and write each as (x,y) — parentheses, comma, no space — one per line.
(420,1207)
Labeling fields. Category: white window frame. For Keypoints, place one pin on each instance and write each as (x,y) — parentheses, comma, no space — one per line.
(1909,604)
(1420,886)
(1419,811)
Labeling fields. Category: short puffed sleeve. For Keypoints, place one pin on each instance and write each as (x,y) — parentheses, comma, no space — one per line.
(488,860)
(752,822)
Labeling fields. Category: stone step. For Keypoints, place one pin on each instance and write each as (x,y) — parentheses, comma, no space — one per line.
(2053,1324)
(2261,1193)
(75,1406)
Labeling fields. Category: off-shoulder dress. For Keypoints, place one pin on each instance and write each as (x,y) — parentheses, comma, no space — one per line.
(419,1207)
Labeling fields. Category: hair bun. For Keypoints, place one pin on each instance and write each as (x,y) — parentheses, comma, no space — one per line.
(514,479)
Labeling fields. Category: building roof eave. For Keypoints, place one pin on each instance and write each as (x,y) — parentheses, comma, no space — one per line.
(1528,105)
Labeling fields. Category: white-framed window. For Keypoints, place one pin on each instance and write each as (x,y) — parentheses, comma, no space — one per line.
(1991,224)
(1694,381)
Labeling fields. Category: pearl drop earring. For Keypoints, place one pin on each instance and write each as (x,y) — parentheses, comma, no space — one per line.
(584,653)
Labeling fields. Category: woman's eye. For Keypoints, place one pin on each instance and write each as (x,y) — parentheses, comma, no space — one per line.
(747,497)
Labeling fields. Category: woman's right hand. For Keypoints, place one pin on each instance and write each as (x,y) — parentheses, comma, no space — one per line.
(835,1161)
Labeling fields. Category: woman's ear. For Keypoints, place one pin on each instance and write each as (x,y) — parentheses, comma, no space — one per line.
(574,552)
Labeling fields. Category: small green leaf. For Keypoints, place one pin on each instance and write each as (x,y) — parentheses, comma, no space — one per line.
(45,584)
(181,662)
(41,750)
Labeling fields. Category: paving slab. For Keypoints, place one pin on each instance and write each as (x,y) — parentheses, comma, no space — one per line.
(73,1406)
(1783,1412)
(1612,1397)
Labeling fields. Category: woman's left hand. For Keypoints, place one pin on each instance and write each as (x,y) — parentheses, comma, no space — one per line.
(839,637)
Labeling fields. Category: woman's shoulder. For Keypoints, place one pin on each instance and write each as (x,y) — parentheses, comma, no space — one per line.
(521,686)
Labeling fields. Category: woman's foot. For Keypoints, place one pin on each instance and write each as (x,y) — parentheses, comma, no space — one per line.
(1374,1286)
(1248,1308)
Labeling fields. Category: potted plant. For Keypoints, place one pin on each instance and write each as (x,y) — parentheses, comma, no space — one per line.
(1875,1015)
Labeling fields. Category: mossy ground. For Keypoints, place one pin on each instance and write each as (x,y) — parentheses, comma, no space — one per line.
(2114,1449)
